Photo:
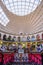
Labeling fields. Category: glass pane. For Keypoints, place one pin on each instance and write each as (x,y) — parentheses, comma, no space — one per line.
(15,6)
(3,18)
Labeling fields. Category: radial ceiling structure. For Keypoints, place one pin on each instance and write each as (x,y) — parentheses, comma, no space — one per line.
(31,23)
(21,7)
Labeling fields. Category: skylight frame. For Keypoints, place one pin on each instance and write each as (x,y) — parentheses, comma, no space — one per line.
(14,6)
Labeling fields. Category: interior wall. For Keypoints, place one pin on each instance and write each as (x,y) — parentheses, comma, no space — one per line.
(31,23)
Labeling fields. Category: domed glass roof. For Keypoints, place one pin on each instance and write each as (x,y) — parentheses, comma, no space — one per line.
(21,7)
(3,18)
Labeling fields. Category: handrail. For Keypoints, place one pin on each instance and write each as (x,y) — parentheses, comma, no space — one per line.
(19,34)
(23,41)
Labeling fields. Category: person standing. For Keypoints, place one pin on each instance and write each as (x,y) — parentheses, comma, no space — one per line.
(1,63)
(42,58)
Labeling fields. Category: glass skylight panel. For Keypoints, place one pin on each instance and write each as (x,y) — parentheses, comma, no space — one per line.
(3,18)
(31,4)
(10,0)
(36,1)
(21,7)
(6,2)
(32,1)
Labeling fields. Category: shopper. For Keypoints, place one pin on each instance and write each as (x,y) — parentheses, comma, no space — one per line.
(0,36)
(1,62)
(42,58)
